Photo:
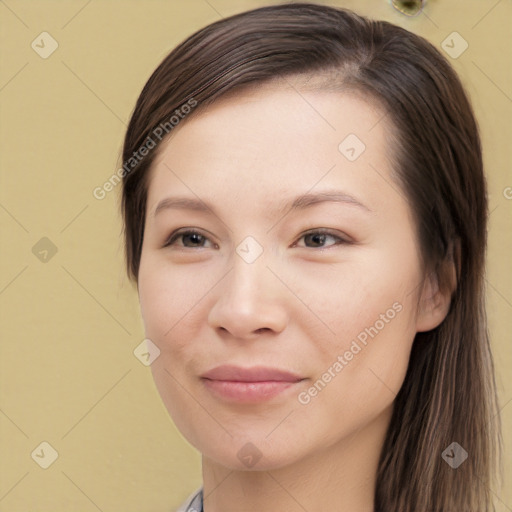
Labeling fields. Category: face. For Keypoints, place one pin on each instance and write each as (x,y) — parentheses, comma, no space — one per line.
(279,275)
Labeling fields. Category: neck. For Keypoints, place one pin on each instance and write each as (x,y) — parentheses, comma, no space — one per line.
(339,477)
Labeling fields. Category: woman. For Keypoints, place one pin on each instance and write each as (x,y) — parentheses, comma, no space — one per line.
(305,217)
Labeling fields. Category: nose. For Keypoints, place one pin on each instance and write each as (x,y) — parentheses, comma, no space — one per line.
(249,301)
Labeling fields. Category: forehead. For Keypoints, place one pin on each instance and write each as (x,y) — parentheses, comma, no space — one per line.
(264,141)
(264,108)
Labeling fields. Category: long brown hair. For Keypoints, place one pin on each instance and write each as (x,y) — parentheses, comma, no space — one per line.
(449,393)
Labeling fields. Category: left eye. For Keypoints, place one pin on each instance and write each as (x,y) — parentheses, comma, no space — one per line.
(318,238)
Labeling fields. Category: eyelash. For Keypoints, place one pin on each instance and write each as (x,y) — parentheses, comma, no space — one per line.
(177,234)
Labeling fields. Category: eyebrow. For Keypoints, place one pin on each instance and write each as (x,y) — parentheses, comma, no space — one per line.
(299,203)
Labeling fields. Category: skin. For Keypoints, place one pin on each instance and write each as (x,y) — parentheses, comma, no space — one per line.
(297,307)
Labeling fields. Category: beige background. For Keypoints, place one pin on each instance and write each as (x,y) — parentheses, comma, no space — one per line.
(70,324)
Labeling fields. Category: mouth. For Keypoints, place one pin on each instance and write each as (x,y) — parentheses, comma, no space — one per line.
(248,385)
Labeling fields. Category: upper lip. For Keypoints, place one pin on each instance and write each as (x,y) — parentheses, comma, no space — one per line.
(253,374)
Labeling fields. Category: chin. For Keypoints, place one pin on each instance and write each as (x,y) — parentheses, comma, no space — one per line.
(254,454)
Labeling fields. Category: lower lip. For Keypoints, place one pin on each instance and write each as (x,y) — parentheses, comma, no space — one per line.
(248,392)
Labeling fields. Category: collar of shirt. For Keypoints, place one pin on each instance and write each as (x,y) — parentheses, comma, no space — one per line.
(196,503)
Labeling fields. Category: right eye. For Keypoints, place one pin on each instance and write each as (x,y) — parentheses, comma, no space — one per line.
(190,239)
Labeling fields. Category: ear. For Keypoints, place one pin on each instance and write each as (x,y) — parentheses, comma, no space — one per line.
(434,301)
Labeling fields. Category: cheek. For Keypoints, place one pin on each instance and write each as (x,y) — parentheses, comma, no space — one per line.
(362,373)
(363,297)
(166,297)
(172,305)
(167,305)
(372,313)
